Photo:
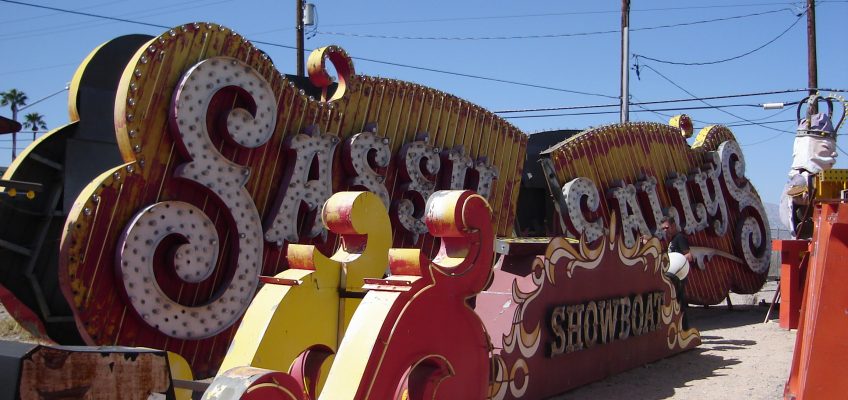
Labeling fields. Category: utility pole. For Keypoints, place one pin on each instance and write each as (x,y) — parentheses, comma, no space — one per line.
(812,65)
(625,59)
(299,24)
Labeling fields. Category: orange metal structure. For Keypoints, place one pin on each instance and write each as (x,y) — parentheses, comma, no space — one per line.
(820,348)
(793,268)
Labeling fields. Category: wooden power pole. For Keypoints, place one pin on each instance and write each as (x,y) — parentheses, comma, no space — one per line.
(812,65)
(625,59)
(299,24)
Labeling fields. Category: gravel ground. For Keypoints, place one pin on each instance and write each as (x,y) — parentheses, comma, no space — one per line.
(740,358)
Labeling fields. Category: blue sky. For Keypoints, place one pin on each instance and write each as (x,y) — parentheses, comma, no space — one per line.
(558,45)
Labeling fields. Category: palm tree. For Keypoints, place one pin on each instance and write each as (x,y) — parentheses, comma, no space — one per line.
(14,99)
(34,121)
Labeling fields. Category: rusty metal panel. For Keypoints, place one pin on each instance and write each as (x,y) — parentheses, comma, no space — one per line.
(11,354)
(32,371)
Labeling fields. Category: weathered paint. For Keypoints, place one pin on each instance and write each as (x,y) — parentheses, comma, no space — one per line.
(617,156)
(537,353)
(49,372)
(151,114)
(313,308)
(415,335)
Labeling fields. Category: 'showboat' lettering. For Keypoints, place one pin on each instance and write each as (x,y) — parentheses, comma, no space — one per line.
(582,326)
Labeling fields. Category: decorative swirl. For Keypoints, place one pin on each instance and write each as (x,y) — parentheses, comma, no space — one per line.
(319,76)
(222,178)
(752,230)
(193,262)
(584,257)
(528,342)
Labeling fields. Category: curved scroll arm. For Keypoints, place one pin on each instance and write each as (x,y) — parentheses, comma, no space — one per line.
(462,222)
(393,346)
(311,303)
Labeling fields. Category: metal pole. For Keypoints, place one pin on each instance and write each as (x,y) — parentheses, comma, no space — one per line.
(625,58)
(14,134)
(812,65)
(299,25)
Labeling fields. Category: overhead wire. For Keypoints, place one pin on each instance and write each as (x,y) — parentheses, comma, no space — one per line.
(546,36)
(644,109)
(723,60)
(703,101)
(695,98)
(556,14)
(21,71)
(355,58)
(83,25)
(727,96)
(34,17)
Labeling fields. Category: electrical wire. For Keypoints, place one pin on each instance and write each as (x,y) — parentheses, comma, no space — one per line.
(42,99)
(21,71)
(85,14)
(307,50)
(546,36)
(13,21)
(638,56)
(643,109)
(703,101)
(497,17)
(728,96)
(86,25)
(782,121)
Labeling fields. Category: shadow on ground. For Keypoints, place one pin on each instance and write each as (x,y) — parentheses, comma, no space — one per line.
(658,380)
(641,383)
(721,317)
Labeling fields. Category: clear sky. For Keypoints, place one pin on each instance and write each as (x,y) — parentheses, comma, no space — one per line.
(555,49)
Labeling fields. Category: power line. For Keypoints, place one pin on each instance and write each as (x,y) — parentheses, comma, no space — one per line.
(782,121)
(43,98)
(643,110)
(728,96)
(497,17)
(355,58)
(728,124)
(638,56)
(546,36)
(493,17)
(20,71)
(702,101)
(22,20)
(486,78)
(86,25)
(85,14)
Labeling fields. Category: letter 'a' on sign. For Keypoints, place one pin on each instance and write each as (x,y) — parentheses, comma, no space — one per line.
(302,192)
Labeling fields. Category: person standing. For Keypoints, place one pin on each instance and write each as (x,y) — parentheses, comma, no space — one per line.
(677,243)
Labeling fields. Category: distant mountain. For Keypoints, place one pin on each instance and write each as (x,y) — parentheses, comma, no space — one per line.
(778,231)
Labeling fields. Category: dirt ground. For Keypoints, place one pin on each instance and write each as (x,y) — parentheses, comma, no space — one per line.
(740,358)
